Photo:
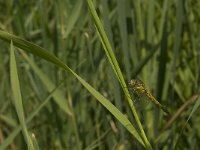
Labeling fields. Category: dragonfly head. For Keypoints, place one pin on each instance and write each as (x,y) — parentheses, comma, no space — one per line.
(133,83)
(136,84)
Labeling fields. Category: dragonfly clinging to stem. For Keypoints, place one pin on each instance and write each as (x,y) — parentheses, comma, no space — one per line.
(139,86)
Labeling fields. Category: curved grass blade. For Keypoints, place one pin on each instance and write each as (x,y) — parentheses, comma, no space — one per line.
(58,96)
(115,66)
(17,129)
(44,54)
(18,98)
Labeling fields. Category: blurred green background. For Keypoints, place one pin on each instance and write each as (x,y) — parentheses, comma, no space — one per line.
(155,41)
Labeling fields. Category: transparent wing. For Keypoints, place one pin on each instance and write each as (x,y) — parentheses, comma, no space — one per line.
(138,86)
(139,99)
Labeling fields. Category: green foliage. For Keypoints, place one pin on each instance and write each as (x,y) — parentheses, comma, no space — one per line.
(82,101)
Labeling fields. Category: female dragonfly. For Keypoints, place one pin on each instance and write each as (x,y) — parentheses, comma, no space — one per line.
(138,86)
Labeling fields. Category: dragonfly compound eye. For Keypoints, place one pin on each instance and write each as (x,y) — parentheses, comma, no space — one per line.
(133,81)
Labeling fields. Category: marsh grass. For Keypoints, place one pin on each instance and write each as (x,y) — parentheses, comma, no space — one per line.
(64,66)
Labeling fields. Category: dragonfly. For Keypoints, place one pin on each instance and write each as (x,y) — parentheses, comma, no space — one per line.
(138,86)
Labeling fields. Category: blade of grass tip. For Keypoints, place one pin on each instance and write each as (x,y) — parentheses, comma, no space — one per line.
(58,96)
(44,54)
(17,97)
(114,63)
(15,132)
(35,143)
(74,122)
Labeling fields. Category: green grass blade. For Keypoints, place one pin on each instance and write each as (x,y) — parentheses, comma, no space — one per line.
(196,106)
(74,15)
(44,54)
(114,86)
(16,131)
(35,143)
(115,66)
(108,105)
(162,63)
(58,96)
(5,143)
(18,98)
(7,120)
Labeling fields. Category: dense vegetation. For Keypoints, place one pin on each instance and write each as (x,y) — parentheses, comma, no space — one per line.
(65,66)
